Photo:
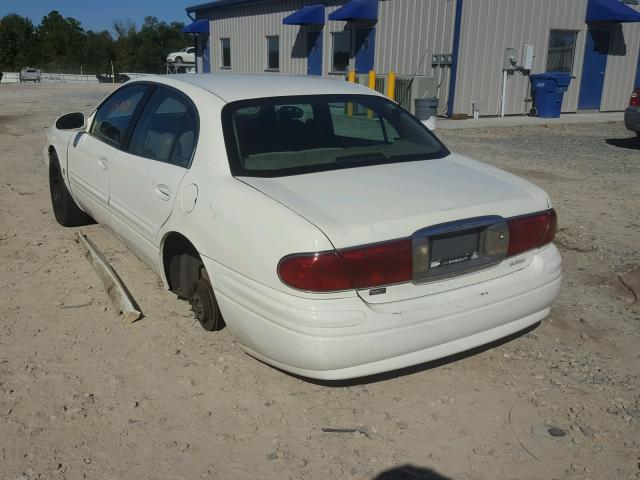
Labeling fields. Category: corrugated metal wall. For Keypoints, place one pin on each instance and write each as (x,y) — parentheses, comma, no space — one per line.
(408,28)
(247,28)
(490,26)
(621,66)
(404,31)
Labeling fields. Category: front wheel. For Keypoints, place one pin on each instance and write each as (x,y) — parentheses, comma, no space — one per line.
(65,209)
(178,60)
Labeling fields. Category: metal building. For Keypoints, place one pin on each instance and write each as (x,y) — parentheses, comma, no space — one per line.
(477,53)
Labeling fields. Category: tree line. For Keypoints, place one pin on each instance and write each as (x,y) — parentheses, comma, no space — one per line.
(59,44)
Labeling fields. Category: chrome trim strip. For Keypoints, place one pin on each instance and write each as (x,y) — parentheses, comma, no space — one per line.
(458,226)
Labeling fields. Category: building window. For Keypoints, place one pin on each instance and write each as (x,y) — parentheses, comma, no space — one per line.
(225,45)
(341,50)
(562,49)
(273,53)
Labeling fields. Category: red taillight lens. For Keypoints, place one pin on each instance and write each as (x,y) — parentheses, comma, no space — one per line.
(360,267)
(635,98)
(314,272)
(532,231)
(381,264)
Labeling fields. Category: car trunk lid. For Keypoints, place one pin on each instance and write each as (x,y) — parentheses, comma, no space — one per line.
(360,206)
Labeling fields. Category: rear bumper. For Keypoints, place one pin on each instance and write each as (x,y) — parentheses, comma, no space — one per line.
(632,119)
(347,338)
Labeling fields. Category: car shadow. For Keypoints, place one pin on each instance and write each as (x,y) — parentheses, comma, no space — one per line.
(381,377)
(409,472)
(632,143)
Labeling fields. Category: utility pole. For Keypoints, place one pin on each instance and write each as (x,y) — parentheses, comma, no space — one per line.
(113,75)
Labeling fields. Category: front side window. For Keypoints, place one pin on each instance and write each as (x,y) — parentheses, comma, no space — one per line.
(293,135)
(562,48)
(113,117)
(166,130)
(341,50)
(273,53)
(225,45)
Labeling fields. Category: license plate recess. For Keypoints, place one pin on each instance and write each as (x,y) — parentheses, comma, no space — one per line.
(460,247)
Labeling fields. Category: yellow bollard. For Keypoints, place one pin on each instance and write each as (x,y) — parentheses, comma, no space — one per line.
(351,77)
(372,86)
(391,85)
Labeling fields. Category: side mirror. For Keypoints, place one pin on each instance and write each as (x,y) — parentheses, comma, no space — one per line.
(70,121)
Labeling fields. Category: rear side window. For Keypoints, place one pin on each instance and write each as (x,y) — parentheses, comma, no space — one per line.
(114,116)
(166,130)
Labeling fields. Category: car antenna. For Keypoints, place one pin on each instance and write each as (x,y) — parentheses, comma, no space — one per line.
(415,73)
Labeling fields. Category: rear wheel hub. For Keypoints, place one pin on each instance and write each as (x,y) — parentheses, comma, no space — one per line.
(204,306)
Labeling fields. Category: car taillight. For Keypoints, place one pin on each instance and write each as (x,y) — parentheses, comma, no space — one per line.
(352,268)
(394,262)
(380,264)
(314,272)
(635,98)
(531,231)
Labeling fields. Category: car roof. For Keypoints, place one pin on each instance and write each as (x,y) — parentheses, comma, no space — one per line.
(232,87)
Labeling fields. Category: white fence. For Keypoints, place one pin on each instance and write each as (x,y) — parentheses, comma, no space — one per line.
(14,77)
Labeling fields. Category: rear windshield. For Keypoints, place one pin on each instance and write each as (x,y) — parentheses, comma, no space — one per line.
(293,135)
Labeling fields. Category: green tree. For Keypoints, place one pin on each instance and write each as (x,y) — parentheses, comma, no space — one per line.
(61,39)
(60,44)
(97,53)
(18,42)
(145,50)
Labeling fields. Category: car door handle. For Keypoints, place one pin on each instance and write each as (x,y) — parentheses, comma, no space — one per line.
(103,162)
(163,192)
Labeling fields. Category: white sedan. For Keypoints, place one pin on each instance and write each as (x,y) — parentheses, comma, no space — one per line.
(331,230)
(186,55)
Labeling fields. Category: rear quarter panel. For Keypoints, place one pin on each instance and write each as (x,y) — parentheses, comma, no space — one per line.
(232,223)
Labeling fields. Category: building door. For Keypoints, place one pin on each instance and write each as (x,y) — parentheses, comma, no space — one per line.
(365,49)
(314,53)
(593,69)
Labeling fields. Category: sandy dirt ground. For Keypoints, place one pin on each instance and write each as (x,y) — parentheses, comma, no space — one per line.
(83,395)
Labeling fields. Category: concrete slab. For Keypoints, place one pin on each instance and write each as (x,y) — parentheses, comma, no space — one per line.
(521,121)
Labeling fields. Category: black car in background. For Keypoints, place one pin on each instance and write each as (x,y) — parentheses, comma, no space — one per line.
(632,113)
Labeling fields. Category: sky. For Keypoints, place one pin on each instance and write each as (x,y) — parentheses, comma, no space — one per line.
(100,15)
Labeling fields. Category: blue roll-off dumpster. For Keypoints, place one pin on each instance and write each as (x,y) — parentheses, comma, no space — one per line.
(548,89)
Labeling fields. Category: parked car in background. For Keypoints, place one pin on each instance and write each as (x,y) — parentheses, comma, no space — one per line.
(120,78)
(632,113)
(332,231)
(29,74)
(186,55)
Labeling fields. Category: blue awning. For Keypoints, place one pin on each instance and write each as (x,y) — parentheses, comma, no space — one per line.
(309,15)
(610,11)
(356,10)
(199,26)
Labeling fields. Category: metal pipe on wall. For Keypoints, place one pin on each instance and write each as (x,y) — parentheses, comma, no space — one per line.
(504,92)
